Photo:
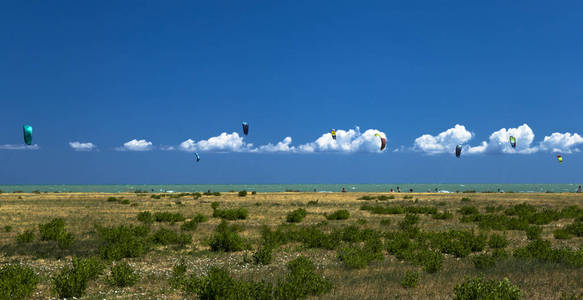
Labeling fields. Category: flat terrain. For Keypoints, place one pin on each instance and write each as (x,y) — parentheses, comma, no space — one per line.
(380,279)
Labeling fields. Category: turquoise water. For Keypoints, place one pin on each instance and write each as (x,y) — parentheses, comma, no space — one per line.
(525,188)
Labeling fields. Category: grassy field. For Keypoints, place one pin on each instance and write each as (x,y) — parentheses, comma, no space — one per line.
(457,229)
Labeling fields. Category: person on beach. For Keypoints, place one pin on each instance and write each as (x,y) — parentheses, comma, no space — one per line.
(398,189)
(579,190)
(343,190)
(392,190)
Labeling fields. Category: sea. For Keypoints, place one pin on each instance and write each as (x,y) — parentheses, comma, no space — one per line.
(323,188)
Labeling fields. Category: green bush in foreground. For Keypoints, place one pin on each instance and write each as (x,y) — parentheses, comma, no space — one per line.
(410,280)
(302,281)
(122,275)
(497,241)
(72,280)
(263,256)
(480,288)
(342,214)
(231,214)
(8,228)
(168,217)
(146,217)
(484,261)
(123,241)
(243,193)
(296,216)
(51,230)
(533,232)
(17,281)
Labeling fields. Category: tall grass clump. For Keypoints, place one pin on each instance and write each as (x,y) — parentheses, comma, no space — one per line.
(25,237)
(296,216)
(480,288)
(342,214)
(122,275)
(17,281)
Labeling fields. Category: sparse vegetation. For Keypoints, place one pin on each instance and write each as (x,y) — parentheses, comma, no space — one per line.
(122,275)
(338,215)
(296,216)
(17,281)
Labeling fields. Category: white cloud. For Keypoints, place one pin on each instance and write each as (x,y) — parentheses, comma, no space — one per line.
(19,147)
(346,141)
(561,142)
(223,143)
(499,141)
(444,142)
(78,146)
(283,146)
(136,145)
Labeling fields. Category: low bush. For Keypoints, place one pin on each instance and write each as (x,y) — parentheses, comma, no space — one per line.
(497,241)
(445,215)
(199,218)
(125,201)
(409,222)
(122,275)
(542,251)
(231,214)
(480,288)
(51,230)
(72,280)
(385,222)
(212,194)
(313,203)
(168,217)
(466,199)
(484,261)
(561,234)
(145,217)
(112,199)
(123,241)
(25,237)
(189,225)
(338,215)
(226,239)
(361,221)
(8,228)
(263,255)
(576,228)
(17,281)
(218,284)
(533,232)
(302,281)
(296,216)
(156,196)
(468,210)
(410,280)
(243,193)
(65,240)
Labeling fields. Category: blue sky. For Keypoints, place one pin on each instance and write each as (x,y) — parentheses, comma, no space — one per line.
(109,72)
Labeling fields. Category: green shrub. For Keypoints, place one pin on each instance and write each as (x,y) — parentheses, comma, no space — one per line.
(263,255)
(156,196)
(189,225)
(445,215)
(72,281)
(542,251)
(145,217)
(367,198)
(386,222)
(51,231)
(125,201)
(357,257)
(484,261)
(302,281)
(313,203)
(122,275)
(497,241)
(123,241)
(383,197)
(215,205)
(339,215)
(431,261)
(243,193)
(468,210)
(165,236)
(65,240)
(25,237)
(576,228)
(112,199)
(168,217)
(466,199)
(500,254)
(231,214)
(199,218)
(218,284)
(409,221)
(8,228)
(17,281)
(480,288)
(410,280)
(561,234)
(361,221)
(296,216)
(226,239)
(533,232)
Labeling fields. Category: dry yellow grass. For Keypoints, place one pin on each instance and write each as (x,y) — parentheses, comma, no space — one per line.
(380,280)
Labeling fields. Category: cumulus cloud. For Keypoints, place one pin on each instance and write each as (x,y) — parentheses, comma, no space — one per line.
(561,142)
(351,140)
(225,142)
(136,145)
(444,142)
(19,147)
(499,141)
(78,146)
(346,141)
